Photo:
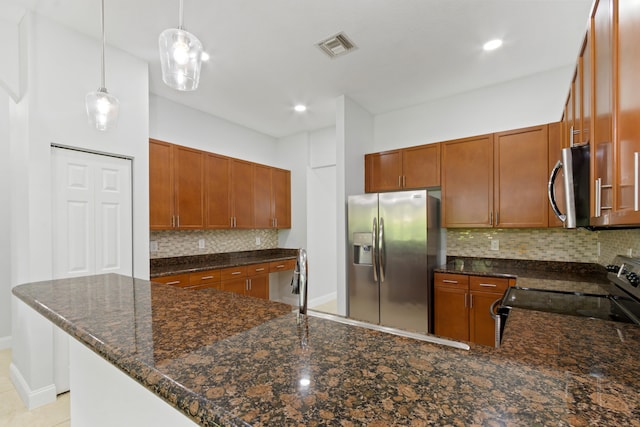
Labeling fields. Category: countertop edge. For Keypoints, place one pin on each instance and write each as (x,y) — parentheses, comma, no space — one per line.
(181,269)
(175,395)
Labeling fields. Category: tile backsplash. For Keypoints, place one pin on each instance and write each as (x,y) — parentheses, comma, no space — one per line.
(173,243)
(618,242)
(544,244)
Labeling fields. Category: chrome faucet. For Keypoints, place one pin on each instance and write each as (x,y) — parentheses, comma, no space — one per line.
(299,281)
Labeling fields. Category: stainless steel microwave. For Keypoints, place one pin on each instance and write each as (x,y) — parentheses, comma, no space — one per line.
(574,169)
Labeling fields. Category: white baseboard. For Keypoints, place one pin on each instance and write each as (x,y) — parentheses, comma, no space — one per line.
(31,398)
(322,299)
(5,342)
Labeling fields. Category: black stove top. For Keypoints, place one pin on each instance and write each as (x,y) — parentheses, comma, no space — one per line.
(622,304)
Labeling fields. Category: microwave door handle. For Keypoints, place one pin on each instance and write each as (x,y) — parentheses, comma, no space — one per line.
(551,190)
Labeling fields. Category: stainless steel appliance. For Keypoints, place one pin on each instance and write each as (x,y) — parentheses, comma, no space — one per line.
(619,302)
(393,245)
(575,175)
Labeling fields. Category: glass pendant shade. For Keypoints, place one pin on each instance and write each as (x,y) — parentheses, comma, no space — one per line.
(102,109)
(181,58)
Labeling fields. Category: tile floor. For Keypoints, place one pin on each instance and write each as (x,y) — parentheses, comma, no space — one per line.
(328,307)
(14,414)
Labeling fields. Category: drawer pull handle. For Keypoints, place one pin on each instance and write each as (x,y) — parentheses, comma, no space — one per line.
(175,282)
(236,273)
(450,281)
(206,277)
(259,269)
(280,266)
(488,285)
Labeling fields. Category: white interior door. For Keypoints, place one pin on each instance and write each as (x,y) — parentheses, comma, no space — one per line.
(92,226)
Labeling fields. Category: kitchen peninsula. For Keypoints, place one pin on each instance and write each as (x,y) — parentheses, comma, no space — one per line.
(226,359)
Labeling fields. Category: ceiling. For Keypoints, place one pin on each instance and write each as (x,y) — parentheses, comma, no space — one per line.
(264,59)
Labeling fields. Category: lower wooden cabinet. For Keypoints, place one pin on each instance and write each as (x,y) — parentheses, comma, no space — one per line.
(461,306)
(252,279)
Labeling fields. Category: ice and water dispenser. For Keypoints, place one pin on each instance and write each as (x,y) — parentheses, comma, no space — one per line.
(362,248)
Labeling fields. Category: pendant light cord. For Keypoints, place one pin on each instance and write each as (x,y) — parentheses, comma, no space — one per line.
(103,44)
(181,15)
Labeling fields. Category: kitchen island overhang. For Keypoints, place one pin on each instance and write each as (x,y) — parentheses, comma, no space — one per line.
(226,359)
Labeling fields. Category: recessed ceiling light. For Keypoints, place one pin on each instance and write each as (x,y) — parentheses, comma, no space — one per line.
(492,44)
(300,108)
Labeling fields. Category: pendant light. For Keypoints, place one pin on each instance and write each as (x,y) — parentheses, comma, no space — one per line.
(102,107)
(181,57)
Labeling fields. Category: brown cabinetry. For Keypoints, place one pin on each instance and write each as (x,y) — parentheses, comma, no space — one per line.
(467,182)
(409,168)
(192,189)
(497,180)
(521,174)
(272,199)
(180,280)
(462,303)
(176,187)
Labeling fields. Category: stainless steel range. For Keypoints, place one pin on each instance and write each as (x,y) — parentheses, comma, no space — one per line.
(620,300)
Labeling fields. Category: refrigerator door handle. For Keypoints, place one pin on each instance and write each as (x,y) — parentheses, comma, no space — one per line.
(374,255)
(381,249)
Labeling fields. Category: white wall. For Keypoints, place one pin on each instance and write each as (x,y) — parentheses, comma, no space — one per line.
(5,225)
(63,66)
(354,138)
(175,123)
(529,101)
(11,79)
(321,216)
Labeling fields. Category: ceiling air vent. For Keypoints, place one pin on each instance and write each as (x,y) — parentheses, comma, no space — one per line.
(337,45)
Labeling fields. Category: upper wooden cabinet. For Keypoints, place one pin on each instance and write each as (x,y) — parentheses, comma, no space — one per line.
(176,187)
(218,191)
(272,199)
(193,189)
(467,182)
(497,180)
(161,195)
(615,147)
(521,176)
(409,168)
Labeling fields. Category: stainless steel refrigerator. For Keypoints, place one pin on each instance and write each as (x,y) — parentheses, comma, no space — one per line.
(393,246)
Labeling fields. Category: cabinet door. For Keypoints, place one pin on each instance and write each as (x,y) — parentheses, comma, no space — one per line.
(259,286)
(521,176)
(238,286)
(628,123)
(281,197)
(160,186)
(188,170)
(451,313)
(421,166)
(467,182)
(385,171)
(262,196)
(602,144)
(555,154)
(242,193)
(482,325)
(217,191)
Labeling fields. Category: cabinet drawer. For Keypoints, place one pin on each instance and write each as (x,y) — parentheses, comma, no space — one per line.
(288,264)
(204,277)
(255,269)
(489,284)
(451,280)
(175,280)
(233,273)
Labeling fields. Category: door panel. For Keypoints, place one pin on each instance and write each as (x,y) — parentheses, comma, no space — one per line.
(404,286)
(363,298)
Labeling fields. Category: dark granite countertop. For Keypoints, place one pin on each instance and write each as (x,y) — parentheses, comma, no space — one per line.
(561,276)
(189,264)
(232,360)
